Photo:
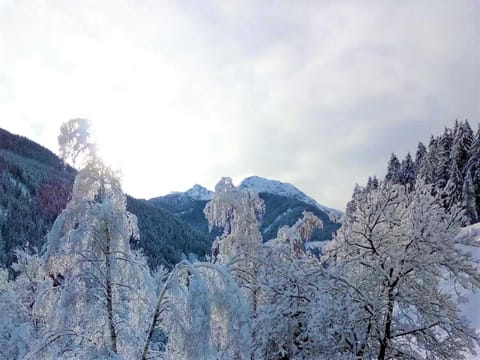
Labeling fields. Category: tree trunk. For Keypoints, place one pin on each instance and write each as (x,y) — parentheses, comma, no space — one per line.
(111,323)
(388,326)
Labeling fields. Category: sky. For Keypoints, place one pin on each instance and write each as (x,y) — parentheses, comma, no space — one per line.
(314,93)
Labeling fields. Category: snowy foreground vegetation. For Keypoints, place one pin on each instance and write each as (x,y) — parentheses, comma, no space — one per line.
(388,286)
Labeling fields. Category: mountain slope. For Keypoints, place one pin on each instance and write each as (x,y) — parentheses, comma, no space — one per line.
(35,187)
(275,187)
(284,205)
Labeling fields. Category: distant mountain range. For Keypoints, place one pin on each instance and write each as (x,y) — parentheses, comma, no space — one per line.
(284,206)
(35,186)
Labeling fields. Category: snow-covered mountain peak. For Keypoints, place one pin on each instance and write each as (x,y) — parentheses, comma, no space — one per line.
(276,187)
(198,192)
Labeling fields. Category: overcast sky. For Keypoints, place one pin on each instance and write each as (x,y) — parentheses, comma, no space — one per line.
(315,93)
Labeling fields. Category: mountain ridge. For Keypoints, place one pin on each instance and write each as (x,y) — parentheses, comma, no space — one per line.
(260,185)
(284,204)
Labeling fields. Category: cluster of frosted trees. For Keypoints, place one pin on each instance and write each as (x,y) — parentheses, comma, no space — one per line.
(450,164)
(386,287)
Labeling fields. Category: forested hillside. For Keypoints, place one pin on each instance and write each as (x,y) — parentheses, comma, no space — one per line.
(35,186)
(450,163)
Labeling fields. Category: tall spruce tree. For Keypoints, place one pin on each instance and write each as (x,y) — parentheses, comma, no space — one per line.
(452,192)
(444,148)
(469,199)
(462,142)
(407,172)
(420,157)
(393,171)
(428,171)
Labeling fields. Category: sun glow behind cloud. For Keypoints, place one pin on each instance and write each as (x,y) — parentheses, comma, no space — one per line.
(313,93)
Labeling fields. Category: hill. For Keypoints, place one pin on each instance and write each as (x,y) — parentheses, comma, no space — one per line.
(35,186)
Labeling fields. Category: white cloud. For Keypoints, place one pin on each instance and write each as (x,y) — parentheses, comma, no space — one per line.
(314,93)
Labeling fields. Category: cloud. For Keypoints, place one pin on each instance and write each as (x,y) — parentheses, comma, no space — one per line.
(314,93)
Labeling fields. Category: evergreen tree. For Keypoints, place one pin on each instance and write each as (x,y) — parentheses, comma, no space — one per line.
(473,165)
(428,171)
(372,183)
(451,195)
(443,166)
(462,142)
(473,162)
(476,186)
(420,157)
(407,173)
(393,170)
(352,204)
(469,199)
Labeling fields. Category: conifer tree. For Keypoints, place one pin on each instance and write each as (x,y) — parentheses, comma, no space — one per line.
(452,193)
(462,142)
(420,157)
(393,170)
(444,165)
(429,169)
(469,199)
(407,173)
(372,183)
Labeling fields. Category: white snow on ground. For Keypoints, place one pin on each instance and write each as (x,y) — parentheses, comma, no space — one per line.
(471,309)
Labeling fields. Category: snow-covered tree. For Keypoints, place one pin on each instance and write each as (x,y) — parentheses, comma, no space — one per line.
(237,212)
(452,193)
(443,166)
(473,165)
(393,170)
(462,142)
(98,299)
(288,285)
(20,322)
(395,263)
(407,174)
(372,183)
(204,314)
(74,142)
(352,204)
(469,200)
(428,170)
(420,157)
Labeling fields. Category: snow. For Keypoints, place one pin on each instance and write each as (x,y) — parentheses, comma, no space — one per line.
(471,308)
(276,187)
(277,219)
(259,185)
(198,192)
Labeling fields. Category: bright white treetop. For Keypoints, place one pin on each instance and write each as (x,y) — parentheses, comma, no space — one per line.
(74,142)
(391,261)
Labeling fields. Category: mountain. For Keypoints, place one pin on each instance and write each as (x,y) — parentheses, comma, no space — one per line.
(275,187)
(35,186)
(284,205)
